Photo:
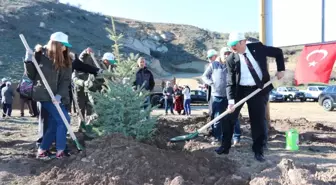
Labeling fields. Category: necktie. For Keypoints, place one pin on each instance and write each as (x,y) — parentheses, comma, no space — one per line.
(253,72)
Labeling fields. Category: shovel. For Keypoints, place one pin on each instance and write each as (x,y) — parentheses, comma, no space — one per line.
(96,62)
(195,134)
(59,110)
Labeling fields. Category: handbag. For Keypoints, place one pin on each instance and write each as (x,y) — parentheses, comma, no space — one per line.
(26,87)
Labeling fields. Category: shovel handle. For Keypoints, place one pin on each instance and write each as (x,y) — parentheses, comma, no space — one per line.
(95,61)
(235,106)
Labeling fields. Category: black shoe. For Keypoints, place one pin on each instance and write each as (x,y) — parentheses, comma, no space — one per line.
(221,150)
(259,157)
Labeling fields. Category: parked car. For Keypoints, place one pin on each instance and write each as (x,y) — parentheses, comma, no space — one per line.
(313,92)
(198,96)
(327,98)
(291,93)
(156,98)
(274,96)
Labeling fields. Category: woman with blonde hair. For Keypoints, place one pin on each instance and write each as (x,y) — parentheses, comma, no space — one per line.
(55,63)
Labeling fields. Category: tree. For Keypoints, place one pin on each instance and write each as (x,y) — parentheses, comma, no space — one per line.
(119,107)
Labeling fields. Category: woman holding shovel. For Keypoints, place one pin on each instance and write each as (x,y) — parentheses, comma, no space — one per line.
(54,60)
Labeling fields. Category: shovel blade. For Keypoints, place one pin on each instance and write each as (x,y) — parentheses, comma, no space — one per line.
(184,137)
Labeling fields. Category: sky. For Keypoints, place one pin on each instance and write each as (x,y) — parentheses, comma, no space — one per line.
(215,15)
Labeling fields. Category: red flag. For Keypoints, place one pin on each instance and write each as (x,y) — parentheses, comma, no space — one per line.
(315,63)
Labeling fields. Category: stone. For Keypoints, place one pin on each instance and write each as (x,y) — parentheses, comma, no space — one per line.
(42,25)
(85,160)
(149,44)
(300,177)
(177,181)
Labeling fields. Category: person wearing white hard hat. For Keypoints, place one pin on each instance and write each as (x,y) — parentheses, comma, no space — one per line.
(212,55)
(247,72)
(86,83)
(223,54)
(109,59)
(55,63)
(215,77)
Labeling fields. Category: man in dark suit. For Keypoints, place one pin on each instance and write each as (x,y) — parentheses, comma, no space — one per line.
(247,71)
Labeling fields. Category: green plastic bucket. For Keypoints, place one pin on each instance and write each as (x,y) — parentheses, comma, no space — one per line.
(292,140)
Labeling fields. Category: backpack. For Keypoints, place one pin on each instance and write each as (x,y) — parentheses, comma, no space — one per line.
(25,88)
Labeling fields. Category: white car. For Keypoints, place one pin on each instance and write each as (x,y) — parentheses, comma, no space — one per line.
(313,92)
(291,93)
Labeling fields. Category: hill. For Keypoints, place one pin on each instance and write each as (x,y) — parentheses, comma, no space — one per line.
(163,45)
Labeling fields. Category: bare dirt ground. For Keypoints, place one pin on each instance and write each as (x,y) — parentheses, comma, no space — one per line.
(119,160)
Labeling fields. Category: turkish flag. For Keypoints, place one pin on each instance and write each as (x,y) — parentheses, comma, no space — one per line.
(315,63)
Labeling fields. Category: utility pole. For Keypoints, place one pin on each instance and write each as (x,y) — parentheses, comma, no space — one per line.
(262,38)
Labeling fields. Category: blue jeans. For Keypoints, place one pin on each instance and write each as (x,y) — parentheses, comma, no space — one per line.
(56,127)
(187,108)
(236,131)
(219,105)
(169,105)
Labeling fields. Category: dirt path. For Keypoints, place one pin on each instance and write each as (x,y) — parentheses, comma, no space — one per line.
(120,160)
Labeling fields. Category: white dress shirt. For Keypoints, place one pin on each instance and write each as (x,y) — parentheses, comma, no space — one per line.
(246,78)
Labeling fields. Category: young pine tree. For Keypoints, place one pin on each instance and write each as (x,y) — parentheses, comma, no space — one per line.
(120,109)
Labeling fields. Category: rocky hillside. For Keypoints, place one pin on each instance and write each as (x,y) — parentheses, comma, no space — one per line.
(162,44)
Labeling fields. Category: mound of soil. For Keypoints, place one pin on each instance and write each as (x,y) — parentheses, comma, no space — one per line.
(116,159)
(287,172)
(301,124)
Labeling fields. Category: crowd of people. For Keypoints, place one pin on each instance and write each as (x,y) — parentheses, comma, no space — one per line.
(177,98)
(237,71)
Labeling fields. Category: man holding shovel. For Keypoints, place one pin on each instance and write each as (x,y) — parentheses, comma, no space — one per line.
(247,72)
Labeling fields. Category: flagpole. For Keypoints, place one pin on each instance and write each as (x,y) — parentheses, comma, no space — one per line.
(323,19)
(262,38)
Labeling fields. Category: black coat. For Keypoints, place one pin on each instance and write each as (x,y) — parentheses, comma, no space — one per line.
(260,53)
(144,77)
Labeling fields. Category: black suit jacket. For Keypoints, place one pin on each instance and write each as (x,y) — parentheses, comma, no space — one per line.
(260,53)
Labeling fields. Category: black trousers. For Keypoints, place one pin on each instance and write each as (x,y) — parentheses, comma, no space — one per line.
(257,112)
(34,107)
